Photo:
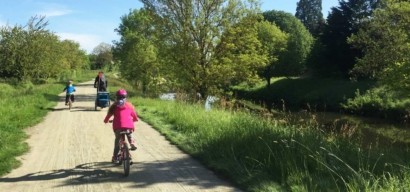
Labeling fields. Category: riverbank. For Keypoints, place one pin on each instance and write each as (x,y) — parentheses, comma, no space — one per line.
(363,98)
(262,154)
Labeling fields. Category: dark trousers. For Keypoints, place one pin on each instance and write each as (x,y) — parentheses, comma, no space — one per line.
(67,96)
(102,89)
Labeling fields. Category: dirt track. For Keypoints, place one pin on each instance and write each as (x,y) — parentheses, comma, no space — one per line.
(71,151)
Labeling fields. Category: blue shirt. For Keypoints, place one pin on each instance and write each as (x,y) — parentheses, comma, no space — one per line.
(70,89)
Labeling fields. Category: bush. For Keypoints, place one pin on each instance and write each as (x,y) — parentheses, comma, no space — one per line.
(379,102)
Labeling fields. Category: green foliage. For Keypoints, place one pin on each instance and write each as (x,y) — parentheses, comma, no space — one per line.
(380,102)
(244,49)
(292,62)
(191,40)
(309,12)
(274,42)
(338,56)
(103,56)
(137,52)
(72,57)
(34,53)
(385,41)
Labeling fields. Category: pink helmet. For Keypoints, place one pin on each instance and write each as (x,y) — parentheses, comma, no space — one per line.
(121,94)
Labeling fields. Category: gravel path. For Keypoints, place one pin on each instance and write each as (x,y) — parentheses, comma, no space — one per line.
(71,151)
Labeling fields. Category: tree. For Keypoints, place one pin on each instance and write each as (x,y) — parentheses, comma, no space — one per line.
(137,51)
(103,55)
(241,54)
(292,61)
(385,41)
(342,22)
(274,42)
(74,57)
(310,13)
(34,53)
(194,41)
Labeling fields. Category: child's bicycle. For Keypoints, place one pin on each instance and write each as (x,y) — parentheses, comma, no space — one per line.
(124,155)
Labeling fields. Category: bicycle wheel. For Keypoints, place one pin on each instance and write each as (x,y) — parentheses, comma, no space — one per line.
(70,104)
(126,161)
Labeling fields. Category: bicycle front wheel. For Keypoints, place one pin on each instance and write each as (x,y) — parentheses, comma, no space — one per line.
(127,160)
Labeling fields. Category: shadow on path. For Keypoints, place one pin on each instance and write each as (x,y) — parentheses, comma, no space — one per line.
(141,175)
(83,172)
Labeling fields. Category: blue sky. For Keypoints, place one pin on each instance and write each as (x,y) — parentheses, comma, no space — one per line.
(91,22)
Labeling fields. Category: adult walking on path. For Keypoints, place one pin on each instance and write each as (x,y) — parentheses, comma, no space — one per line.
(71,151)
(100,82)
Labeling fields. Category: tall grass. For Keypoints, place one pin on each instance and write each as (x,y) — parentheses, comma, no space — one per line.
(266,155)
(24,105)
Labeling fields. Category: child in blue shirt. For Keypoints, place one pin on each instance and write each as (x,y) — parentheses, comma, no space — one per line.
(69,89)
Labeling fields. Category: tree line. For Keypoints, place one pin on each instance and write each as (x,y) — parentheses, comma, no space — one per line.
(199,46)
(33,53)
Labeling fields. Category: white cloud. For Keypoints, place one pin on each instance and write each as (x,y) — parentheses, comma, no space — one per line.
(54,13)
(87,42)
(53,10)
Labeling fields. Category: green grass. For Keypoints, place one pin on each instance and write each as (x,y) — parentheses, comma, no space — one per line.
(266,155)
(303,93)
(364,98)
(24,105)
(256,154)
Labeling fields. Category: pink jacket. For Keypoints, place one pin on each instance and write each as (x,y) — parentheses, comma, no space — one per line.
(124,116)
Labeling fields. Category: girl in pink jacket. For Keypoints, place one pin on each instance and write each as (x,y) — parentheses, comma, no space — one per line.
(124,118)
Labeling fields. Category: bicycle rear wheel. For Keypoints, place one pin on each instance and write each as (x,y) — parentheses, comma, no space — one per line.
(70,104)
(70,101)
(127,160)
